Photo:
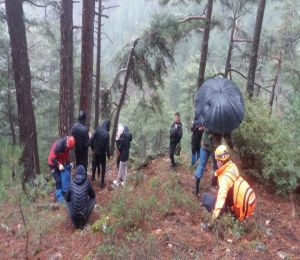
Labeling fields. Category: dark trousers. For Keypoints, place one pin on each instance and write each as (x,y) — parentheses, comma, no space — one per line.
(99,160)
(172,152)
(209,202)
(57,177)
(79,220)
(81,157)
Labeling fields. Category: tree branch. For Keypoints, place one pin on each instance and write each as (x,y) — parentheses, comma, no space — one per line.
(103,15)
(110,7)
(107,37)
(241,40)
(77,27)
(242,75)
(117,76)
(193,17)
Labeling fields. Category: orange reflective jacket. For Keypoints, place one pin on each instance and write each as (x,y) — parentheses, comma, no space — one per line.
(235,190)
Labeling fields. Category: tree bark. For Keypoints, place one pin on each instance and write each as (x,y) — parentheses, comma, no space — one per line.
(98,66)
(22,77)
(66,98)
(205,40)
(9,103)
(255,47)
(122,98)
(86,86)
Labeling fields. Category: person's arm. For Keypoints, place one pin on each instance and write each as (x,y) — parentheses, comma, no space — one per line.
(91,191)
(224,186)
(92,141)
(108,146)
(68,195)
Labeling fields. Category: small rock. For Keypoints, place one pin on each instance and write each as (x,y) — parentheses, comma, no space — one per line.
(56,256)
(282,255)
(77,256)
(157,231)
(268,222)
(229,240)
(260,247)
(204,226)
(170,246)
(228,251)
(269,232)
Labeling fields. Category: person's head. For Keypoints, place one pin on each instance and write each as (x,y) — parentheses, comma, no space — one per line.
(222,155)
(177,117)
(82,117)
(80,170)
(70,142)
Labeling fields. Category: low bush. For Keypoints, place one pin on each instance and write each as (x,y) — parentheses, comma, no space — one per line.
(267,148)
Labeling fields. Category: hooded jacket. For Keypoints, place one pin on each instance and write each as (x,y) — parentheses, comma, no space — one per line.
(123,144)
(59,153)
(196,136)
(79,193)
(80,133)
(176,132)
(100,140)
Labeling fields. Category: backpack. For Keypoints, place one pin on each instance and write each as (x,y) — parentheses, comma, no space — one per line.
(243,199)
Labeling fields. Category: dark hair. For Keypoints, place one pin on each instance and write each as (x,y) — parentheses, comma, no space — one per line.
(177,114)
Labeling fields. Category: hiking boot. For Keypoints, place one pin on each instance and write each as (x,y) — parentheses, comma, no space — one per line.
(196,189)
(116,183)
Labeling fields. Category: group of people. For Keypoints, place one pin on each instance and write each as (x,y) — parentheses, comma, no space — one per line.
(78,193)
(234,193)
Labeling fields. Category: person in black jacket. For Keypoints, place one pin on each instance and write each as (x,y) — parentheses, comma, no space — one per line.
(100,146)
(81,134)
(175,137)
(123,145)
(80,198)
(197,132)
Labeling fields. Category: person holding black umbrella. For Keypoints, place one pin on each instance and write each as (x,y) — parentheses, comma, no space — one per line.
(219,103)
(197,132)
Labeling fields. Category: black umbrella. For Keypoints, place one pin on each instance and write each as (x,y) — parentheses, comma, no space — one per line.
(219,103)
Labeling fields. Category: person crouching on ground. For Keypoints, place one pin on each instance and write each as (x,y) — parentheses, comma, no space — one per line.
(175,137)
(80,198)
(58,159)
(123,145)
(234,193)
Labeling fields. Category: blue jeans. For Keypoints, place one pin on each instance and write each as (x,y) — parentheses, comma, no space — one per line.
(204,155)
(195,156)
(209,201)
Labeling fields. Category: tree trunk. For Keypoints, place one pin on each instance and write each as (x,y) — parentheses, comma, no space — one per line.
(278,68)
(9,104)
(97,92)
(229,53)
(122,98)
(205,40)
(66,98)
(22,77)
(86,87)
(255,47)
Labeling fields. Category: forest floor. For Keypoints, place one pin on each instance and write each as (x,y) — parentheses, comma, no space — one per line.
(155,217)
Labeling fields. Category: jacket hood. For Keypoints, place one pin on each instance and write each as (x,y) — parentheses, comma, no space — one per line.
(80,175)
(82,117)
(106,125)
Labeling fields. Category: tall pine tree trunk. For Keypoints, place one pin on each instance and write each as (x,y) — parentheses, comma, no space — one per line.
(86,86)
(98,71)
(22,77)
(66,98)
(205,40)
(230,48)
(122,98)
(255,47)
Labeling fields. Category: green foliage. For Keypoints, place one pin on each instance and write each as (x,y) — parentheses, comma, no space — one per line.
(267,147)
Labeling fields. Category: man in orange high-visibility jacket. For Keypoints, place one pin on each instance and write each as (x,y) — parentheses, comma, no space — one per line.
(234,192)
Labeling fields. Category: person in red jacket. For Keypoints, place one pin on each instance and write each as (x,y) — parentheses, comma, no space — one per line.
(58,159)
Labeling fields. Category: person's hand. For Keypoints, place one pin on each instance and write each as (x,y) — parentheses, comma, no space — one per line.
(61,167)
(175,126)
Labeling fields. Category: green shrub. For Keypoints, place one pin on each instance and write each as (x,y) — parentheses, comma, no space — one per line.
(267,148)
